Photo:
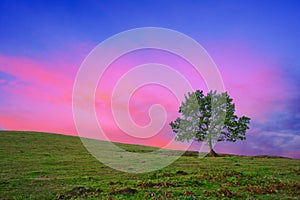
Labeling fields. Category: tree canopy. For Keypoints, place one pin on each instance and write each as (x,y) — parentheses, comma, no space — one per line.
(209,118)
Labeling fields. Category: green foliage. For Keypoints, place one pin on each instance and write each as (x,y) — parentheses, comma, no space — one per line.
(209,118)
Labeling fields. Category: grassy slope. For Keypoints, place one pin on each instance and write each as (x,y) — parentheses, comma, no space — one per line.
(47,166)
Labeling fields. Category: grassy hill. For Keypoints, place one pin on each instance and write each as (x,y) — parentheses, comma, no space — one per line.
(49,166)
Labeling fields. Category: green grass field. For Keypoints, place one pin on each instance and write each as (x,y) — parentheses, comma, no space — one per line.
(49,166)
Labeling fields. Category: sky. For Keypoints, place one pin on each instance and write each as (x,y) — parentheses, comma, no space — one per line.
(255,45)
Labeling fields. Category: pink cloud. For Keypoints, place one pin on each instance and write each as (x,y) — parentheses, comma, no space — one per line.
(39,97)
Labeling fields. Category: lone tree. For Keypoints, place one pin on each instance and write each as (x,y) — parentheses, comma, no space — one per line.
(209,119)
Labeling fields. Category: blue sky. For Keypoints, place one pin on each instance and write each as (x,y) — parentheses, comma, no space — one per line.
(46,25)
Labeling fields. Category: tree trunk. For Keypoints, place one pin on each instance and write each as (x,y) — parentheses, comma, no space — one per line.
(212,153)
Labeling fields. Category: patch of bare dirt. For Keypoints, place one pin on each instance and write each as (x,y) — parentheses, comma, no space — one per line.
(80,192)
(127,190)
(180,172)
